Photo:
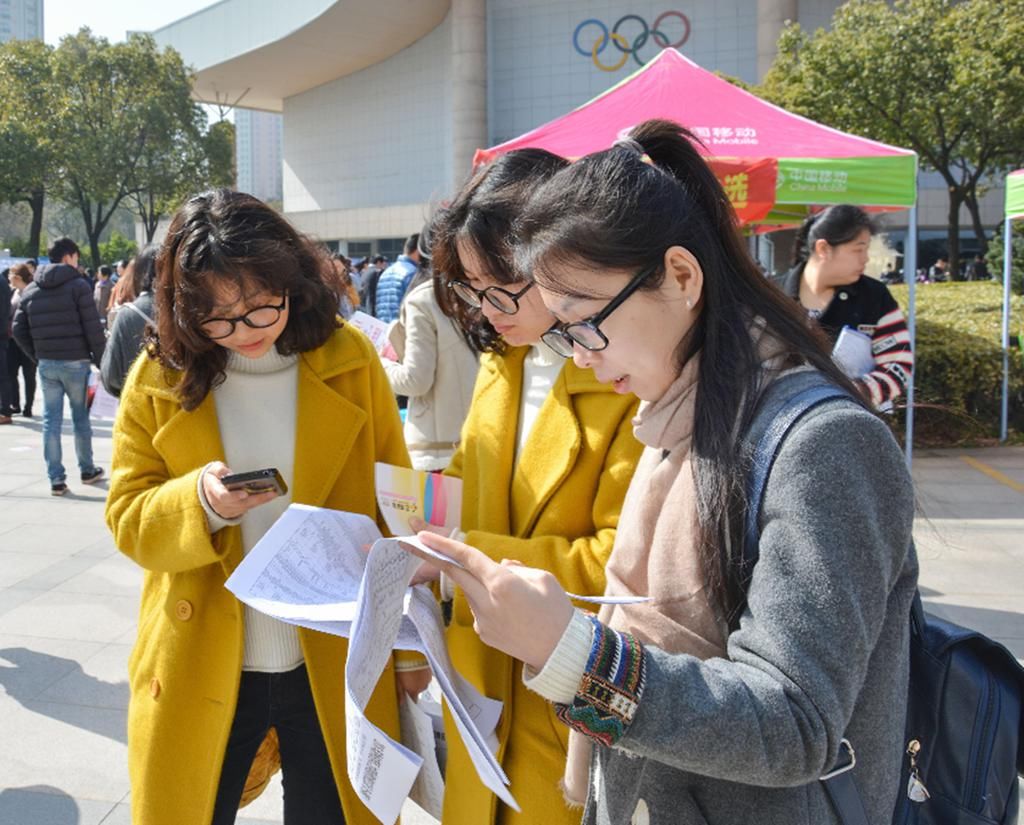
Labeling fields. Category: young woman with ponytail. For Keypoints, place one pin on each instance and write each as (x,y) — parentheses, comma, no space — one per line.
(828,280)
(546,455)
(724,697)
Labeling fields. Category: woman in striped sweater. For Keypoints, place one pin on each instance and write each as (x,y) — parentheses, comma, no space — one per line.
(829,281)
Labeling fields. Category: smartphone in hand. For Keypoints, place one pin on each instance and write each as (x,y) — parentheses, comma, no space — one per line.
(256,481)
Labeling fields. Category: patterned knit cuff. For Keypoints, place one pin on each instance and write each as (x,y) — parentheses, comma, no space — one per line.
(611,688)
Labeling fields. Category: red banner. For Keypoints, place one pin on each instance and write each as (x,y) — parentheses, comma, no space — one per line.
(749,183)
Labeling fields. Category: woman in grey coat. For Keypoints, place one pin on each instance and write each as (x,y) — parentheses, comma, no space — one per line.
(721,698)
(128,329)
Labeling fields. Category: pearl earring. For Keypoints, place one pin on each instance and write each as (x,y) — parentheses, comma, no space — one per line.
(689,303)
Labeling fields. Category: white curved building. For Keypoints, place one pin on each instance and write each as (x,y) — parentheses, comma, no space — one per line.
(385,101)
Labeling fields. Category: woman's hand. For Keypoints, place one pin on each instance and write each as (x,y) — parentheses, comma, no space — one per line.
(427,572)
(229,504)
(411,683)
(518,610)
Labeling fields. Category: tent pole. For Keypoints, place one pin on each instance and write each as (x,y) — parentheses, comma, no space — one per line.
(910,276)
(1004,412)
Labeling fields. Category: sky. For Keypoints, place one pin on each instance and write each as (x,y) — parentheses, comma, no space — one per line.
(112,18)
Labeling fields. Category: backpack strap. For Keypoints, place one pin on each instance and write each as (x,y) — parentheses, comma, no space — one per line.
(788,400)
(139,311)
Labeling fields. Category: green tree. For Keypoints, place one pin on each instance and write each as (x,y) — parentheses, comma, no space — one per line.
(27,148)
(118,248)
(220,154)
(126,107)
(943,78)
(196,158)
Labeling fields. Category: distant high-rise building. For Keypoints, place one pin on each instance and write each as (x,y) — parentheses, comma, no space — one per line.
(21,20)
(258,153)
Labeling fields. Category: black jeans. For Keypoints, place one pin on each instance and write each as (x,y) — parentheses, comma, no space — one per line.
(16,359)
(283,701)
(6,396)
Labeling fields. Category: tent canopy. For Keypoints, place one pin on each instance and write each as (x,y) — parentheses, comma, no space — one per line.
(816,164)
(1015,195)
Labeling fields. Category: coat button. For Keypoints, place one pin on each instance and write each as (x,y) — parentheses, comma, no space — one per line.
(183,610)
(154,687)
(844,296)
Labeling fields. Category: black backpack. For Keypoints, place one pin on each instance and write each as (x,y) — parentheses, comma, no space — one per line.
(964,733)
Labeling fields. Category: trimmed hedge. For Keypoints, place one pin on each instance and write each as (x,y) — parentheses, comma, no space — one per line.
(959,363)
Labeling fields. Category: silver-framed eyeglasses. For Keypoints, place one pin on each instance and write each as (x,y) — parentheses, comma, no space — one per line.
(498,297)
(587,333)
(257,318)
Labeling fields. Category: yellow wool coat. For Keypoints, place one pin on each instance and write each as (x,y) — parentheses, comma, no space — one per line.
(555,508)
(185,668)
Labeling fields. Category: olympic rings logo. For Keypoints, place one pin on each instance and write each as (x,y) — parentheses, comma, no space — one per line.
(623,44)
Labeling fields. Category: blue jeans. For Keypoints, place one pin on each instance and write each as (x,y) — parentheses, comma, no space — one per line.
(60,378)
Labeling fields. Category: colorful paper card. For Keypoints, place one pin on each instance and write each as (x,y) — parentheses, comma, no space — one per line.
(373,328)
(403,493)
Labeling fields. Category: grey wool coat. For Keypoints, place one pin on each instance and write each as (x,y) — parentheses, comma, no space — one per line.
(820,653)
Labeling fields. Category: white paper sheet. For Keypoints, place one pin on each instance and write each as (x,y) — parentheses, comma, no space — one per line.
(104,405)
(426,613)
(381,770)
(312,569)
(430,551)
(418,736)
(852,352)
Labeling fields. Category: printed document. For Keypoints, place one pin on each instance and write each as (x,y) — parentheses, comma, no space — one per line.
(312,569)
(852,352)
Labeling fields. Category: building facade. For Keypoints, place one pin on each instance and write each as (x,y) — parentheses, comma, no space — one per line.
(384,103)
(21,20)
(258,153)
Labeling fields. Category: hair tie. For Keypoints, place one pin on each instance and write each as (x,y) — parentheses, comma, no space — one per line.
(633,145)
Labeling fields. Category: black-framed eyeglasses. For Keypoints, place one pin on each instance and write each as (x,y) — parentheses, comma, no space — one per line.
(498,297)
(587,333)
(257,318)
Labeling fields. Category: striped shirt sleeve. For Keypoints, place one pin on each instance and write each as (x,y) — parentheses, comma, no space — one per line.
(894,360)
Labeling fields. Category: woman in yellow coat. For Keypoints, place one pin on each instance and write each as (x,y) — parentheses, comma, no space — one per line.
(261,376)
(547,453)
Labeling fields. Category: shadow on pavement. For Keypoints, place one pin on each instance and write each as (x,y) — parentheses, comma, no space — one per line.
(37,804)
(33,672)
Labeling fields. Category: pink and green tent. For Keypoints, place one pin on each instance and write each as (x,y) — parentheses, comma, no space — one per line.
(815,164)
(1014,211)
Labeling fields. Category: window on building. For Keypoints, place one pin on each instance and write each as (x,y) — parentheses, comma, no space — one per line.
(390,248)
(359,249)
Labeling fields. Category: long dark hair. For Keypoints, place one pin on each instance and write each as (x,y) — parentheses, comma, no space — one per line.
(144,271)
(837,225)
(614,211)
(231,237)
(482,215)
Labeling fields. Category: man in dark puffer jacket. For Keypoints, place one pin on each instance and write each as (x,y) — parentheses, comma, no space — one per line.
(58,327)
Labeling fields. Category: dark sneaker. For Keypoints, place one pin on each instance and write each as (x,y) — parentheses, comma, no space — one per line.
(93,477)
(58,489)
(27,412)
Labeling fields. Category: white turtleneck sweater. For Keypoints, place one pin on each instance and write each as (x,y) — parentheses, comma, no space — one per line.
(540,371)
(256,413)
